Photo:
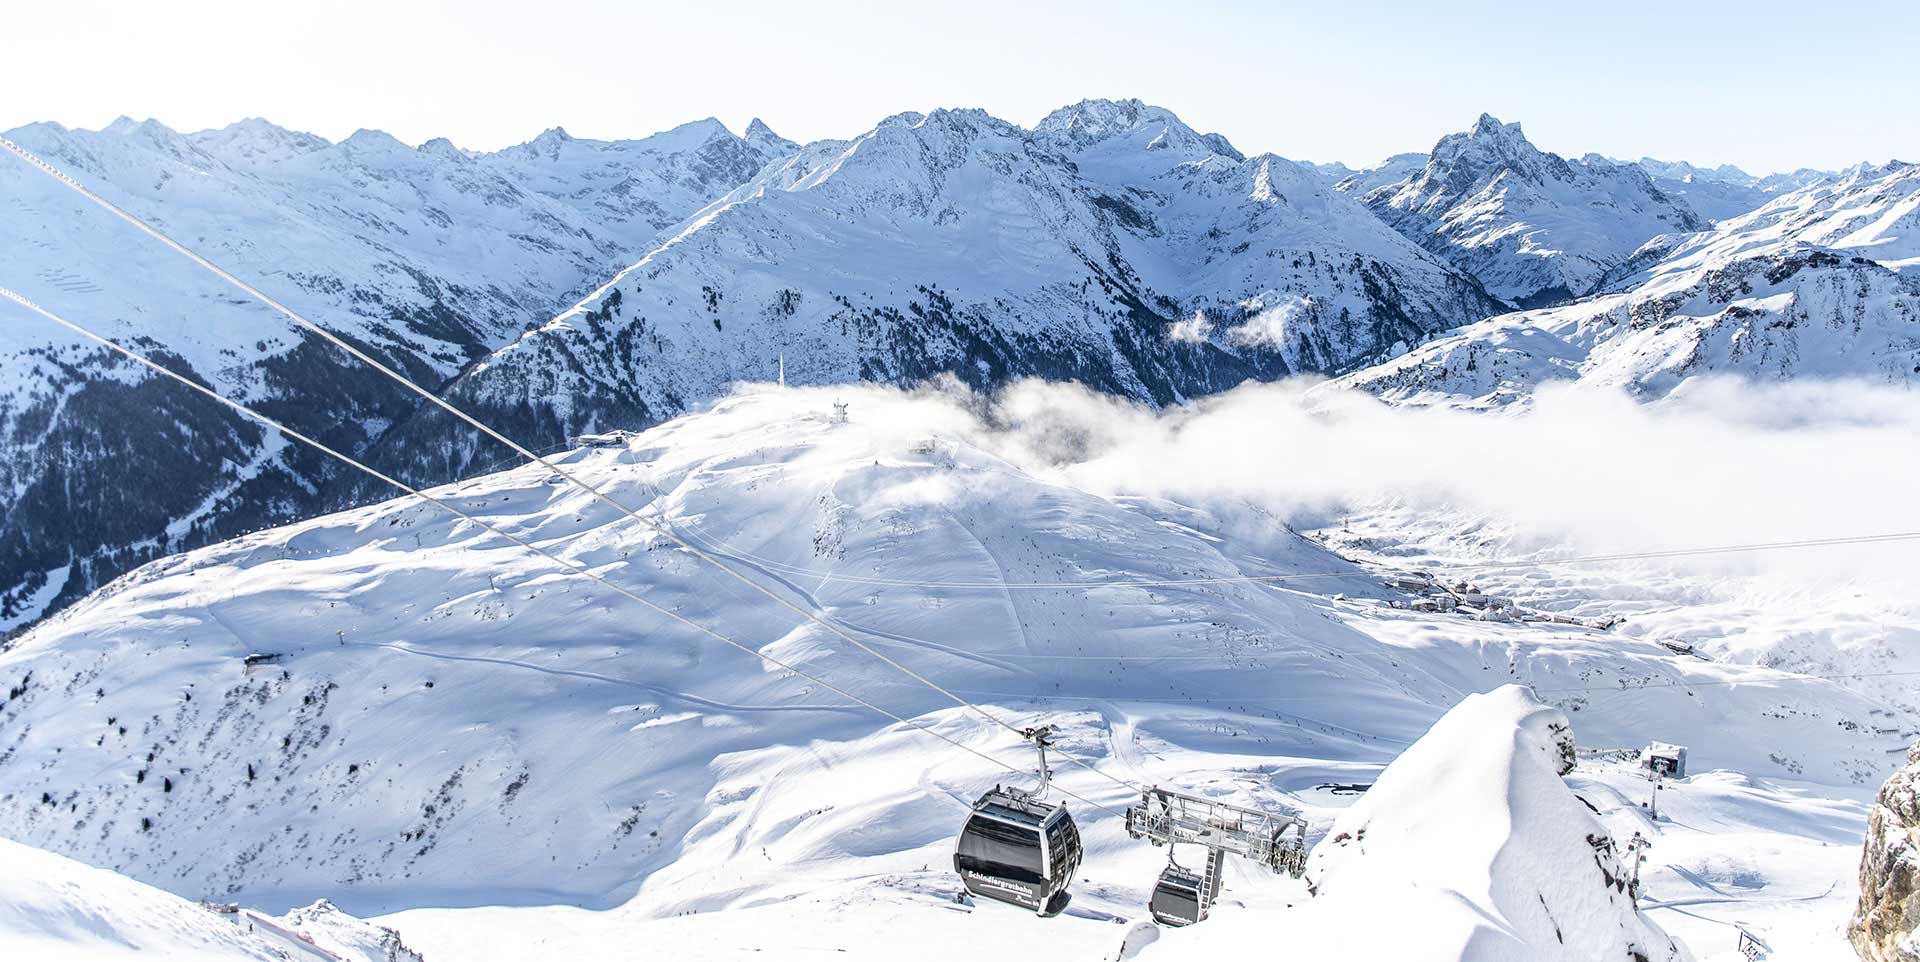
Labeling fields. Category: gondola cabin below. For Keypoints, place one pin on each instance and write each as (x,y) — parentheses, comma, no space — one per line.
(1018,850)
(1180,897)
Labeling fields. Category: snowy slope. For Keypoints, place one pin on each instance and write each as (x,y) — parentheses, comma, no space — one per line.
(56,908)
(1111,245)
(428,257)
(1535,228)
(1818,283)
(523,763)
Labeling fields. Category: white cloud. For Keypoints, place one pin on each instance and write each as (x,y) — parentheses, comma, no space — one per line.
(1193,330)
(1582,471)
(1268,328)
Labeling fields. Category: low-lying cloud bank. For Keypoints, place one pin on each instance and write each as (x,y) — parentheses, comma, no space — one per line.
(1580,471)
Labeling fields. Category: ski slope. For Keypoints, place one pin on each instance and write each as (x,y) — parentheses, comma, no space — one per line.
(504,761)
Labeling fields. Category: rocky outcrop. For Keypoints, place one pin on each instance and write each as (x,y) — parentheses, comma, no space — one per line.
(1886,927)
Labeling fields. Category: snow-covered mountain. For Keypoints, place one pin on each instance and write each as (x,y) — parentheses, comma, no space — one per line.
(1393,170)
(1822,282)
(395,710)
(1110,245)
(1726,191)
(1534,227)
(427,257)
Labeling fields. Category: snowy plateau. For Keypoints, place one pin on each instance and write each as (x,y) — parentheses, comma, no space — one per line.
(1366,496)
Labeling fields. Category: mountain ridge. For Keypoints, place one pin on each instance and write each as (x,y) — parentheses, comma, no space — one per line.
(1534,227)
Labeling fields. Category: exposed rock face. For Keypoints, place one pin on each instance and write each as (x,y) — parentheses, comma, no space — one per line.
(1886,927)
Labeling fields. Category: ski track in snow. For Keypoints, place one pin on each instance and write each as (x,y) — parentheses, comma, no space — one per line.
(730,795)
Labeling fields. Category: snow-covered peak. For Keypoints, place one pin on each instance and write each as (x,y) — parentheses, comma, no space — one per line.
(370,145)
(549,144)
(1462,161)
(1094,119)
(1819,282)
(154,135)
(1392,170)
(124,125)
(1871,210)
(761,135)
(692,134)
(1136,125)
(442,147)
(255,141)
(1534,228)
(1032,237)
(1682,171)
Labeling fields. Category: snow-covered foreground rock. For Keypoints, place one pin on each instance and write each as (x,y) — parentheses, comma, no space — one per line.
(1887,926)
(55,908)
(1472,848)
(516,763)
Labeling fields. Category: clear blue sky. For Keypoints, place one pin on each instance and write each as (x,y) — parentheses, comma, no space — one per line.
(1767,85)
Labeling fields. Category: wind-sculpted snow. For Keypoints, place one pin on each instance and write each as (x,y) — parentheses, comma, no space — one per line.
(1480,850)
(1819,283)
(433,718)
(426,257)
(1535,228)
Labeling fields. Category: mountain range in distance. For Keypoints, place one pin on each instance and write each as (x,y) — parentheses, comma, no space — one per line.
(568,286)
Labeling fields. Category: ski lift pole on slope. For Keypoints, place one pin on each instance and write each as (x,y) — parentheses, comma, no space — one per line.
(1166,817)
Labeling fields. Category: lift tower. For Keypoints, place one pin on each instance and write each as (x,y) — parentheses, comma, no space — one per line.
(1167,817)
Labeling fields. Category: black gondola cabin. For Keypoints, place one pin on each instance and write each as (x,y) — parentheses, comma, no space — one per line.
(1179,898)
(1018,850)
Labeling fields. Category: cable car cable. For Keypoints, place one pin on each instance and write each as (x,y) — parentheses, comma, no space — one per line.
(811,615)
(578,568)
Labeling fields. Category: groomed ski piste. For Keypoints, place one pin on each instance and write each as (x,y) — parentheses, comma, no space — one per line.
(399,711)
